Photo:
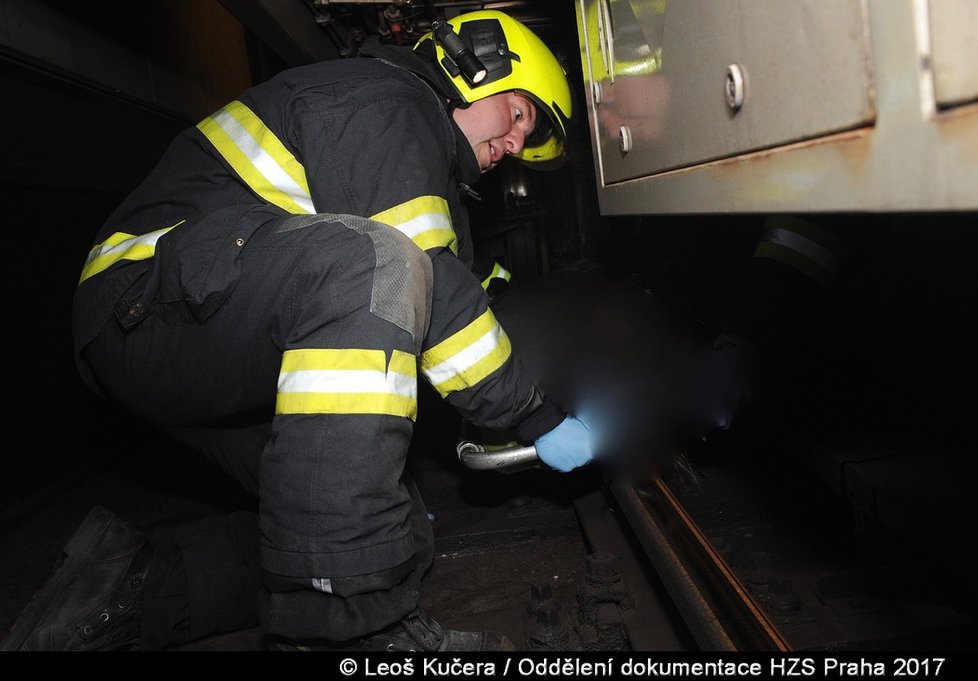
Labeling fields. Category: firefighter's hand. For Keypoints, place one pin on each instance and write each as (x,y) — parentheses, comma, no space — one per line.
(567,446)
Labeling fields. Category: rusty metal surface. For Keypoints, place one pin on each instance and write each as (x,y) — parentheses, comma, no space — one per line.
(719,611)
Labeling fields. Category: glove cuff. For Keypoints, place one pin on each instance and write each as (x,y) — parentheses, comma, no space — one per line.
(542,420)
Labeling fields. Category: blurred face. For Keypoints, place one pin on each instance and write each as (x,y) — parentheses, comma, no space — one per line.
(496,126)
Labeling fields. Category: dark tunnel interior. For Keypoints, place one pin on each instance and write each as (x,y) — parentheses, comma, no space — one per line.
(857,457)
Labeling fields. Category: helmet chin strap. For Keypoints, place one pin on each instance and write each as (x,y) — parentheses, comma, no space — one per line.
(456,103)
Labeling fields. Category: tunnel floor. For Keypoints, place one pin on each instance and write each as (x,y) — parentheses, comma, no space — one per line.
(497,536)
(503,540)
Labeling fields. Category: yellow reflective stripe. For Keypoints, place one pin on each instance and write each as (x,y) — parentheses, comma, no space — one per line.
(468,356)
(258,157)
(347,381)
(270,144)
(122,246)
(425,220)
(498,272)
(348,403)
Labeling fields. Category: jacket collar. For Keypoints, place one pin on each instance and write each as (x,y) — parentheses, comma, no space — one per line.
(467,168)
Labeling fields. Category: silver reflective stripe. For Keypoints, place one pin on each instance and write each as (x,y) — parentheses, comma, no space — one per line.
(347,381)
(455,365)
(804,246)
(468,356)
(259,157)
(498,272)
(334,381)
(425,220)
(325,585)
(423,223)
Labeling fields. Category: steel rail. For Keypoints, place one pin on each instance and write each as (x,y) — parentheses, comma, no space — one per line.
(718,610)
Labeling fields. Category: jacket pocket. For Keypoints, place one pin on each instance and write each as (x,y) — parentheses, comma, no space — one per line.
(198,264)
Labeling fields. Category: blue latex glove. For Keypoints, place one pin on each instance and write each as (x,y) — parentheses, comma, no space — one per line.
(567,446)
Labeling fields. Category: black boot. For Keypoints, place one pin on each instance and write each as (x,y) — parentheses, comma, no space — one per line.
(418,632)
(93,601)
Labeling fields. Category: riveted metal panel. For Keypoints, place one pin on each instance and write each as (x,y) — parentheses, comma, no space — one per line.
(954,44)
(918,153)
(663,71)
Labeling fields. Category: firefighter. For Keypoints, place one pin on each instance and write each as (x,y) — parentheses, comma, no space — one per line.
(270,295)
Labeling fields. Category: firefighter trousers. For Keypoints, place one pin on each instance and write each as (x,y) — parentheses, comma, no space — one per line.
(266,386)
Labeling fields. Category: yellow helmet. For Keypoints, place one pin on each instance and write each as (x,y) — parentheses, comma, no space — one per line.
(508,56)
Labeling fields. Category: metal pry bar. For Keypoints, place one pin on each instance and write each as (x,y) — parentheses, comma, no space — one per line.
(509,460)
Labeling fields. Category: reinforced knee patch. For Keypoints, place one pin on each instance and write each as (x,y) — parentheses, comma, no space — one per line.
(402,283)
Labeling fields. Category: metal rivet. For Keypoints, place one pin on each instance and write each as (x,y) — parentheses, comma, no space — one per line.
(624,139)
(87,630)
(596,92)
(735,87)
(104,617)
(239,241)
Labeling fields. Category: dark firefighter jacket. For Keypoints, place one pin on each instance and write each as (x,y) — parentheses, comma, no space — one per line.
(364,137)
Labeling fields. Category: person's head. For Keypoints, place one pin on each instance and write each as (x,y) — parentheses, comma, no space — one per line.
(513,97)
